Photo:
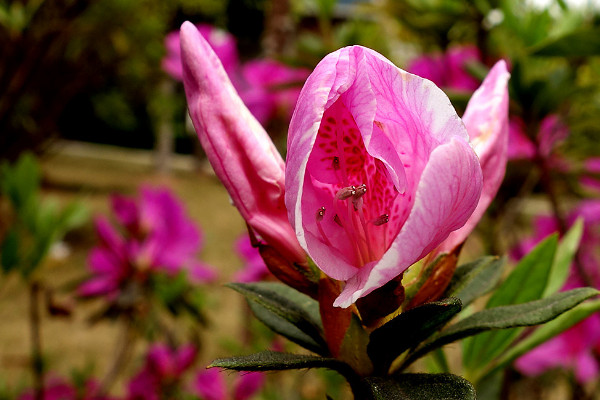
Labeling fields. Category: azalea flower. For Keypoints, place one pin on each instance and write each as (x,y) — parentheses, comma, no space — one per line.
(575,348)
(255,268)
(57,388)
(210,385)
(448,70)
(156,236)
(162,371)
(591,177)
(405,178)
(551,132)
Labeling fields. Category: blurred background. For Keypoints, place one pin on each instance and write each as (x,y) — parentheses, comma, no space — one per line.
(97,152)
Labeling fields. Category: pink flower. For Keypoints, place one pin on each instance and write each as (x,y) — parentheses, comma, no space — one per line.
(406,176)
(449,69)
(486,120)
(237,146)
(222,42)
(591,174)
(552,131)
(163,369)
(210,385)
(57,388)
(574,349)
(255,268)
(157,236)
(269,86)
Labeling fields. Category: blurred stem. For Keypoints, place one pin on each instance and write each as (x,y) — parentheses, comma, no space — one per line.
(37,364)
(123,354)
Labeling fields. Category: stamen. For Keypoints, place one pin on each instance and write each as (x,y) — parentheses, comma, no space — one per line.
(357,198)
(319,218)
(382,219)
(345,193)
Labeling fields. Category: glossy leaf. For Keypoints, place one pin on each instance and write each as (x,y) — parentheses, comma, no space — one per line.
(409,329)
(526,282)
(283,315)
(475,279)
(519,315)
(418,387)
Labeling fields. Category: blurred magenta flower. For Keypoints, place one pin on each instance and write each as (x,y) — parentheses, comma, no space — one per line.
(156,236)
(574,349)
(163,369)
(57,388)
(448,70)
(254,269)
(238,148)
(591,174)
(551,132)
(222,42)
(210,385)
(379,166)
(269,87)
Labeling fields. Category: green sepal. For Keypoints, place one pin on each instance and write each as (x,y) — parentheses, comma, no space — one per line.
(475,279)
(408,330)
(417,387)
(287,312)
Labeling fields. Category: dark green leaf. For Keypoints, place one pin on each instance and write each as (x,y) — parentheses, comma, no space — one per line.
(284,315)
(277,361)
(564,257)
(417,387)
(581,43)
(475,279)
(9,251)
(526,282)
(527,314)
(409,329)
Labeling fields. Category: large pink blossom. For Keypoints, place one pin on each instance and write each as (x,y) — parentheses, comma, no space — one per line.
(575,348)
(237,146)
(156,235)
(448,70)
(379,170)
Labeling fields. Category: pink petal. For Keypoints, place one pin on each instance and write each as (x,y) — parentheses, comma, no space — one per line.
(239,149)
(210,385)
(248,384)
(486,120)
(408,131)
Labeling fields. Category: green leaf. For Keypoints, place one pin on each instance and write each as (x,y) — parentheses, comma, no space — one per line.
(417,387)
(564,257)
(9,251)
(475,279)
(519,315)
(407,330)
(526,282)
(289,315)
(277,361)
(547,332)
(580,43)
